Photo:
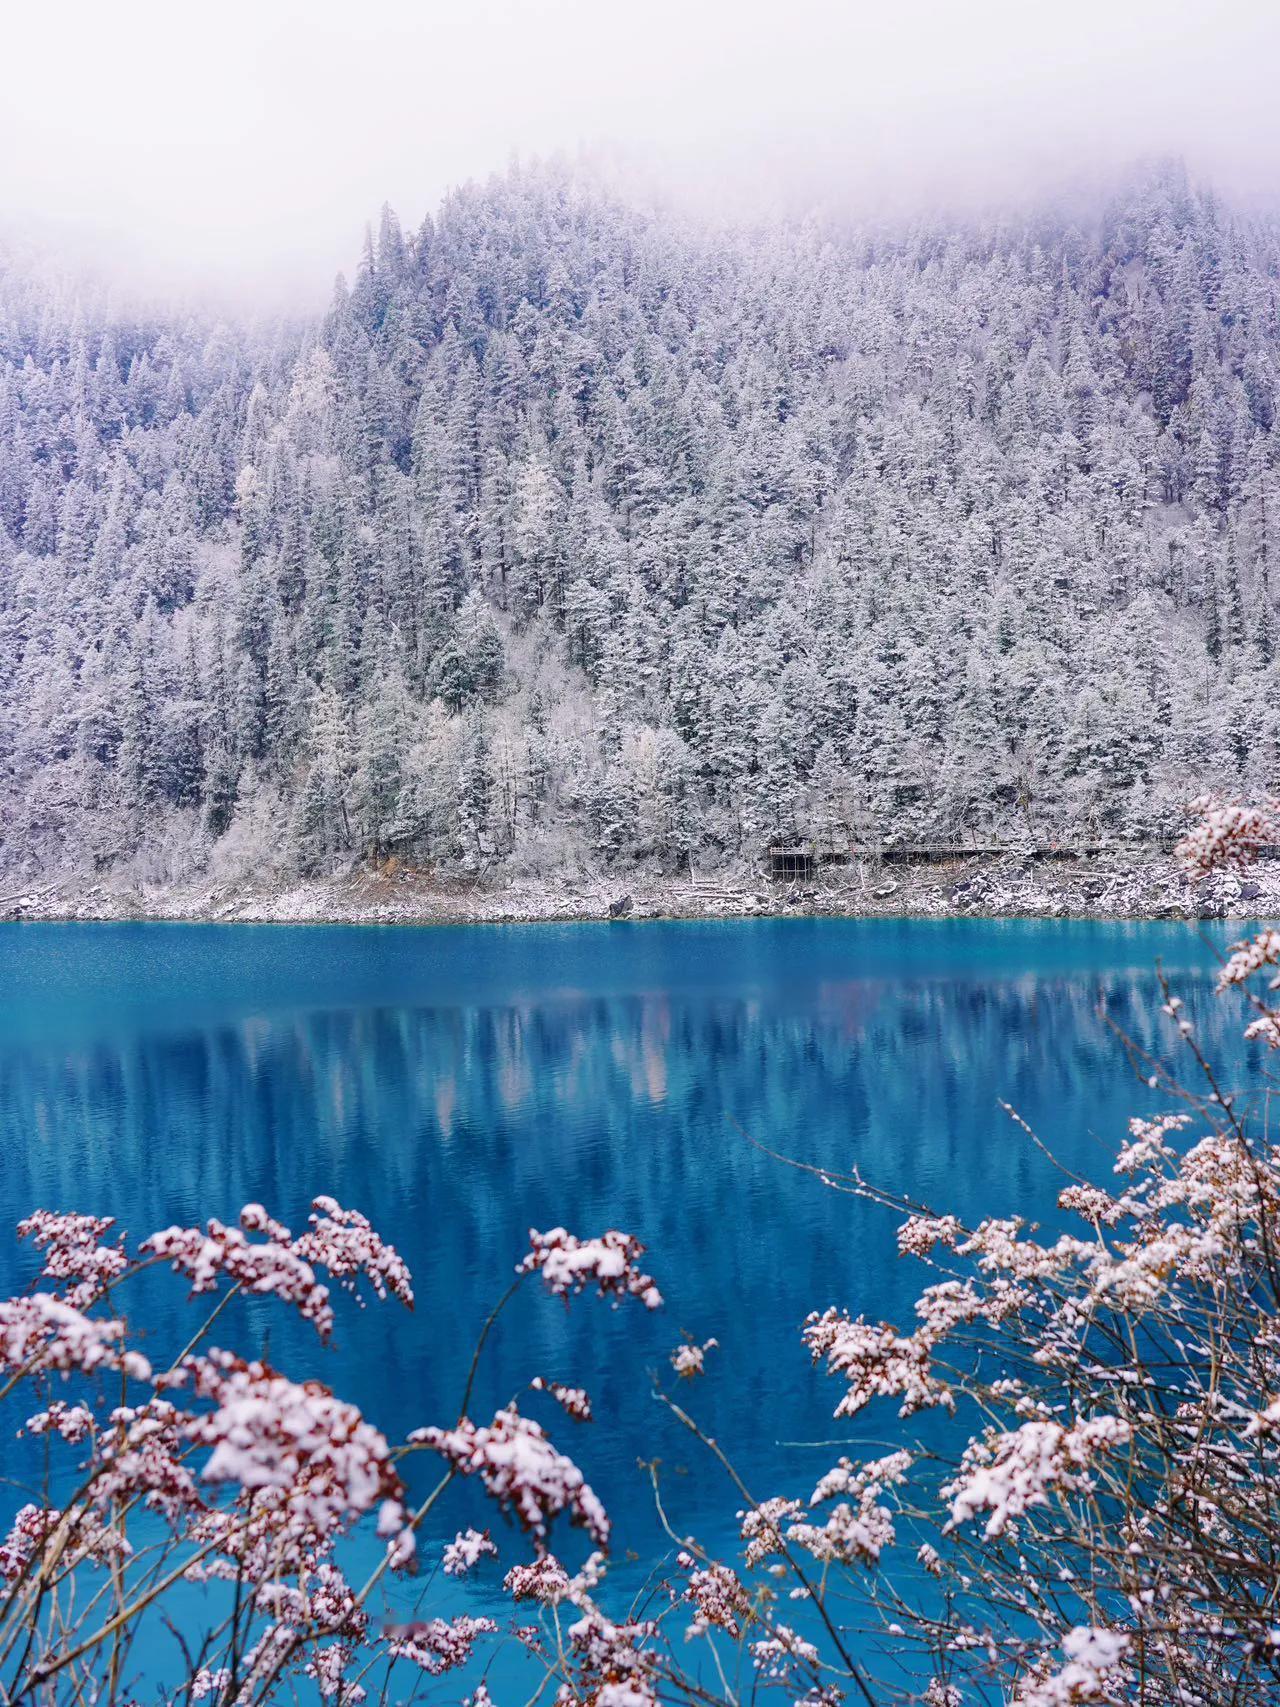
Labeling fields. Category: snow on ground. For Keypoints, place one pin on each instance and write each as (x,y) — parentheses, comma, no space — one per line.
(1009,887)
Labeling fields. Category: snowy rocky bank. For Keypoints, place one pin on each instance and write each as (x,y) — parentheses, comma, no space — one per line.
(1008,887)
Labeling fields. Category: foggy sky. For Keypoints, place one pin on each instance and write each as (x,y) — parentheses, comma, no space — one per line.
(237,147)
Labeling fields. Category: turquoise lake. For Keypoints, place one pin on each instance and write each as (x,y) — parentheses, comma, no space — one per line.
(461,1085)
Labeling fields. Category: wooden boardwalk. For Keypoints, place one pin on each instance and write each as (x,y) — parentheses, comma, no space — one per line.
(801,858)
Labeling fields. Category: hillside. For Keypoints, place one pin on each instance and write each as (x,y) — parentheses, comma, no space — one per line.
(580,537)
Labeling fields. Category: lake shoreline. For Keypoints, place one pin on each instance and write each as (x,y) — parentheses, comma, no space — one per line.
(1011,886)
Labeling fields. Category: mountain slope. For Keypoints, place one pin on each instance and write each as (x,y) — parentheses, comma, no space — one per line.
(578,534)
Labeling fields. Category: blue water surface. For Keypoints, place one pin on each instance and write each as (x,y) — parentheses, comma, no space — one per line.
(461,1085)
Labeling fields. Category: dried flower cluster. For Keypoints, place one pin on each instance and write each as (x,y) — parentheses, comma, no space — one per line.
(74,1254)
(717,1594)
(545,1579)
(522,1471)
(569,1265)
(342,1241)
(307,1459)
(876,1361)
(1228,834)
(255,1479)
(269,1265)
(575,1402)
(41,1332)
(466,1550)
(439,1645)
(689,1360)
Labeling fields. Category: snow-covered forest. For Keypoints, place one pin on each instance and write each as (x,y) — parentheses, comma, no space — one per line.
(579,533)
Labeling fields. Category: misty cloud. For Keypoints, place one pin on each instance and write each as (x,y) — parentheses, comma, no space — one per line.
(240,148)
